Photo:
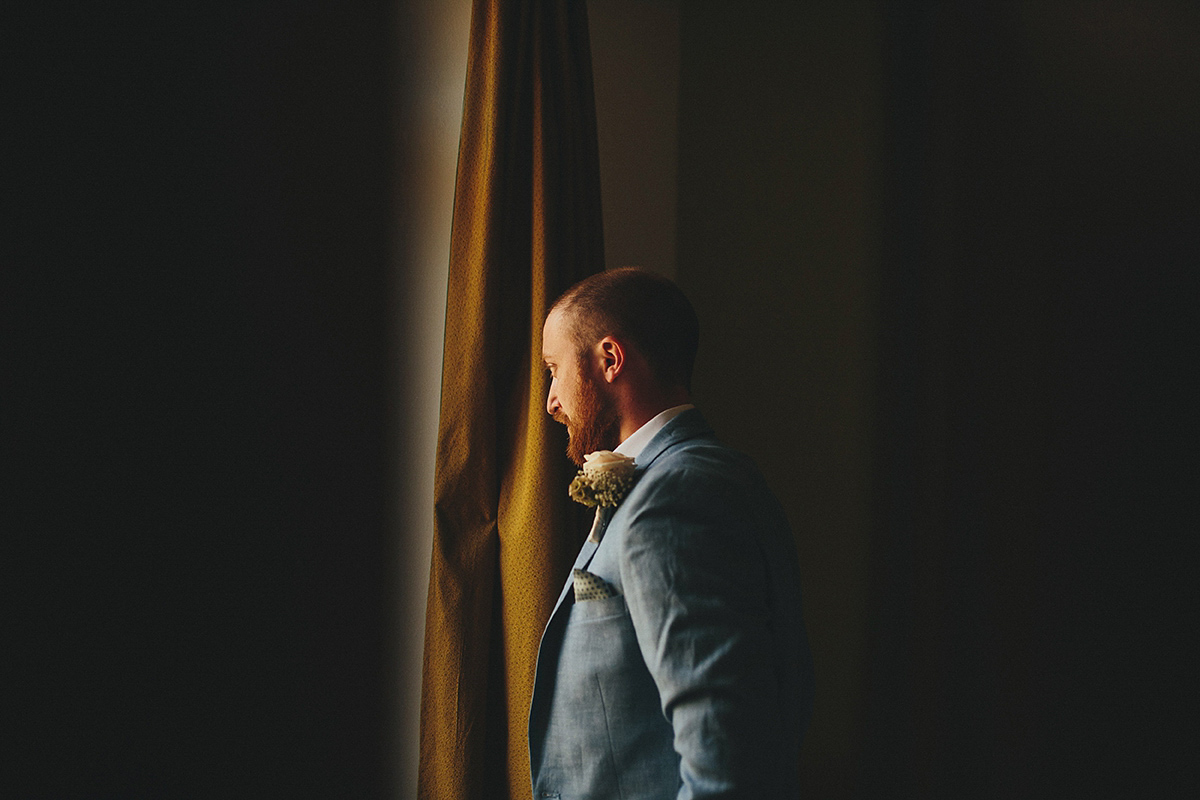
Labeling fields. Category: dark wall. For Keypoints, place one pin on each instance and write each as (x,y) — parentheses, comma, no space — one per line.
(195,411)
(1040,238)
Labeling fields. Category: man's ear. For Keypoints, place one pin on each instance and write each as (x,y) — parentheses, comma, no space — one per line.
(612,358)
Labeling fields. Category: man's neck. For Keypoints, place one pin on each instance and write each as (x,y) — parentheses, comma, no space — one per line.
(633,445)
(639,413)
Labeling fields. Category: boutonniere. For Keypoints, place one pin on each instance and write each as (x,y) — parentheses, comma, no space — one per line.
(605,478)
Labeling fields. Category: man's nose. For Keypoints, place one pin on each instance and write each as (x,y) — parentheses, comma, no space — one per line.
(552,400)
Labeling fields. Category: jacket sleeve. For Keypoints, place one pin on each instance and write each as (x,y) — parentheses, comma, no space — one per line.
(696,583)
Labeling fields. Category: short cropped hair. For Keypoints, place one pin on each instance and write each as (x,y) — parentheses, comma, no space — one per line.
(642,307)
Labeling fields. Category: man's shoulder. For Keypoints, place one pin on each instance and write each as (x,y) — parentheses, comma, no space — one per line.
(696,495)
(686,459)
(685,439)
(705,452)
(700,469)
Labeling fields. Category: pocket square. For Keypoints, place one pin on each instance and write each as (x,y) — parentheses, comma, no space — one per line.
(592,587)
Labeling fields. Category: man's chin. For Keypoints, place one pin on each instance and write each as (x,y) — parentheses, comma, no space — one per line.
(579,446)
(574,453)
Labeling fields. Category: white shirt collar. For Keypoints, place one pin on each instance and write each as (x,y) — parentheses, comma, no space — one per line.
(638,440)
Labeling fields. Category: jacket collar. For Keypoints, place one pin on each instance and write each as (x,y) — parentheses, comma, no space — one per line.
(688,425)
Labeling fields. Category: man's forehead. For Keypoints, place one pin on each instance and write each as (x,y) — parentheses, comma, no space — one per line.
(555,328)
(552,333)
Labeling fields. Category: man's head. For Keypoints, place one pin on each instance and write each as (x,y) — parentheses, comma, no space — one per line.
(618,345)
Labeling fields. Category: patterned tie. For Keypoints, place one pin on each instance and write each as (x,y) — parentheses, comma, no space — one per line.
(600,522)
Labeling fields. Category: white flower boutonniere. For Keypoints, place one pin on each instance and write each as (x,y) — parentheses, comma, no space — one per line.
(605,478)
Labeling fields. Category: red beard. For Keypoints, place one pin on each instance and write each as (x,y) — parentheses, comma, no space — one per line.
(594,427)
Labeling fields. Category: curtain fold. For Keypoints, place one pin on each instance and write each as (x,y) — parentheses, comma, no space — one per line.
(527,225)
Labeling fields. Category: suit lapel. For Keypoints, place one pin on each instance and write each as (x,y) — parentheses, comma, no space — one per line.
(585,554)
(581,561)
(588,551)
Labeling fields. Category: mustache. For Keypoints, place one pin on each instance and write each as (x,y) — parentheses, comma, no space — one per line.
(561,418)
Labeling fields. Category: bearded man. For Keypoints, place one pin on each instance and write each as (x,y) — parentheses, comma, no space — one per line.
(675,663)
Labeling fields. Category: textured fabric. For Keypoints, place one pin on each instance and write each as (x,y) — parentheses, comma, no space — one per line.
(590,587)
(526,226)
(694,679)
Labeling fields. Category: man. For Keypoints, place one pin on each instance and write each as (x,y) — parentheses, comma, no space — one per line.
(675,663)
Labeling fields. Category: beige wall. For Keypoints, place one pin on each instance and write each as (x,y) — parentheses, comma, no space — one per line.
(436,33)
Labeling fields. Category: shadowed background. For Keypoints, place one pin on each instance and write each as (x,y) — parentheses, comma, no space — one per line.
(942,259)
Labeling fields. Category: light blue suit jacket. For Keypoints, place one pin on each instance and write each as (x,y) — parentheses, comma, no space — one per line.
(695,681)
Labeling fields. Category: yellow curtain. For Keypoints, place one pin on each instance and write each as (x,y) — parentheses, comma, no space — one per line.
(526,226)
